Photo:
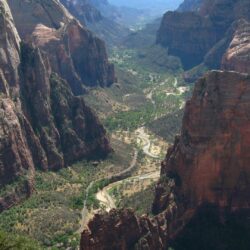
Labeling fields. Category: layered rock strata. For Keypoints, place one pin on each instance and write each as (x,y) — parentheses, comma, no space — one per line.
(42,124)
(75,54)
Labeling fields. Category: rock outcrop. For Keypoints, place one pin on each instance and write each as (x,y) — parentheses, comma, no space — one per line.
(195,36)
(75,54)
(209,161)
(42,124)
(123,230)
(237,55)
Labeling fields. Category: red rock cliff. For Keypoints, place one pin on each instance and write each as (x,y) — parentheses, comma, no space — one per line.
(237,56)
(210,159)
(210,165)
(42,124)
(74,52)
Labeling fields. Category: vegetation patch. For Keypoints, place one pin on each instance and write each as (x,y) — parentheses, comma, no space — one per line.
(17,242)
(141,201)
(52,215)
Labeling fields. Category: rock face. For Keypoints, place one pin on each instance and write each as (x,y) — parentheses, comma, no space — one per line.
(198,34)
(210,159)
(205,31)
(42,124)
(210,164)
(9,49)
(237,56)
(123,230)
(67,129)
(74,53)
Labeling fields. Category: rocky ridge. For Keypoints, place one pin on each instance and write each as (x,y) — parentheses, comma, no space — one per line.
(75,54)
(43,125)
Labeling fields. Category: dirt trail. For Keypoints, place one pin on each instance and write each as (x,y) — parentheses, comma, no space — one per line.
(103,196)
(105,199)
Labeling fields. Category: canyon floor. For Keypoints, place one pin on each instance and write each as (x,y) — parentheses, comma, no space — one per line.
(141,112)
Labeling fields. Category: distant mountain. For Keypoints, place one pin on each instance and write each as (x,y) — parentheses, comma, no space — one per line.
(190,5)
(114,23)
(144,37)
(156,7)
(202,37)
(125,15)
(99,17)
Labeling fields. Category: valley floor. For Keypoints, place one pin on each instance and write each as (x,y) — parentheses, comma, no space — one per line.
(142,112)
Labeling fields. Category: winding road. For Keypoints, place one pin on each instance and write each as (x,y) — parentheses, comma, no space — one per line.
(108,202)
(147,143)
(102,195)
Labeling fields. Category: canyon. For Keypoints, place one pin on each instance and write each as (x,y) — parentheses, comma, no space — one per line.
(101,18)
(91,99)
(202,198)
(205,175)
